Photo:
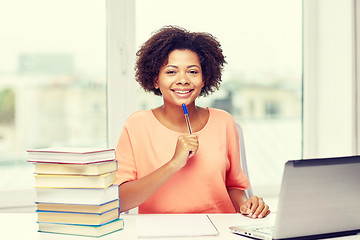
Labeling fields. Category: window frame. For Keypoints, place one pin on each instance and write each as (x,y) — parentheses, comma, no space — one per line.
(356,12)
(120,64)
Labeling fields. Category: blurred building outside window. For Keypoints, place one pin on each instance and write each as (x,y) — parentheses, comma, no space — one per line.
(52,81)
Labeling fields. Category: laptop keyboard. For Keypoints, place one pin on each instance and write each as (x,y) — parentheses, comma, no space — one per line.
(265,230)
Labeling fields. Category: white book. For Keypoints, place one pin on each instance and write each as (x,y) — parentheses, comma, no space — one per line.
(93,196)
(82,230)
(76,169)
(78,218)
(71,155)
(84,208)
(74,181)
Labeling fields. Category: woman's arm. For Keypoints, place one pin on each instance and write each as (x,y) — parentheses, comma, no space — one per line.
(253,207)
(136,192)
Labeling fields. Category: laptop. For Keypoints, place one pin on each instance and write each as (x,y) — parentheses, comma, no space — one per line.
(319,198)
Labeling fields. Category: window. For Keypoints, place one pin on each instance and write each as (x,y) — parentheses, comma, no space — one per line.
(52,81)
(53,76)
(262,82)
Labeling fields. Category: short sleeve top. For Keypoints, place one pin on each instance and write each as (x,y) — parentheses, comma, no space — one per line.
(201,185)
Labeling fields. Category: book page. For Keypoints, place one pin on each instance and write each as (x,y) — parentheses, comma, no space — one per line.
(166,225)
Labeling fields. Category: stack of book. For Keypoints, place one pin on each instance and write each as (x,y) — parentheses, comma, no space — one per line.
(75,192)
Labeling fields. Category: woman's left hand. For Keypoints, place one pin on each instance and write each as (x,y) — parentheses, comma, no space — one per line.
(254,207)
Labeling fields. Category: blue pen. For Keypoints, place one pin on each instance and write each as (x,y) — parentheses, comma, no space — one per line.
(186,113)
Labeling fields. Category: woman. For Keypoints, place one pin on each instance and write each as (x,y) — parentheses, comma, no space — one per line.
(162,168)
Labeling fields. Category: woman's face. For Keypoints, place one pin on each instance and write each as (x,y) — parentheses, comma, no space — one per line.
(180,80)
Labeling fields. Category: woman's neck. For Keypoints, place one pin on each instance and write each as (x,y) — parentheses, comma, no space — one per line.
(173,117)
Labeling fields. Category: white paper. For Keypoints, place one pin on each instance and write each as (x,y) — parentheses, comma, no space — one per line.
(166,225)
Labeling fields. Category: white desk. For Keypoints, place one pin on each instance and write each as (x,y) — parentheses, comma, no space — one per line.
(23,226)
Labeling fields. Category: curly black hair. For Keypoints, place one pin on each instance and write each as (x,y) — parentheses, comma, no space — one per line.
(154,53)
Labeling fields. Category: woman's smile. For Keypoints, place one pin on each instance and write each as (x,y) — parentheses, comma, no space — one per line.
(183,93)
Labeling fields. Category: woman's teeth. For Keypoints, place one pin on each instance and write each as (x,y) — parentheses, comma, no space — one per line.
(182,92)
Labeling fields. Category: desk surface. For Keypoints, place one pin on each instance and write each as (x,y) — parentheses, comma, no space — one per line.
(24,226)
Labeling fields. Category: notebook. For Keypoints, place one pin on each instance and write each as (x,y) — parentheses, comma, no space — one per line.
(174,225)
(318,198)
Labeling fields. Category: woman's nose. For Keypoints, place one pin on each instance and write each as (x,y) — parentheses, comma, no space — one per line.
(182,79)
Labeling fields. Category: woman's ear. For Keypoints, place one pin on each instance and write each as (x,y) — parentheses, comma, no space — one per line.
(156,85)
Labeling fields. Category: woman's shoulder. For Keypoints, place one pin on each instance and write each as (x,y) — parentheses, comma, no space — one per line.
(138,117)
(139,114)
(220,114)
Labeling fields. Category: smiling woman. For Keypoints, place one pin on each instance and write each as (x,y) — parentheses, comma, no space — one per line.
(206,172)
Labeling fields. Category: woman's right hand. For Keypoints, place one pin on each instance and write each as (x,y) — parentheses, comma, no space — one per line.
(186,147)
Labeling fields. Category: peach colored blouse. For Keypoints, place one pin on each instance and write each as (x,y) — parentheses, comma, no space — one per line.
(201,185)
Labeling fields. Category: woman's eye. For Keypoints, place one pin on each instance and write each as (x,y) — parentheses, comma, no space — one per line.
(193,72)
(170,72)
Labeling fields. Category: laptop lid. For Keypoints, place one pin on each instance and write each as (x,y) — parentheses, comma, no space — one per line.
(319,197)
